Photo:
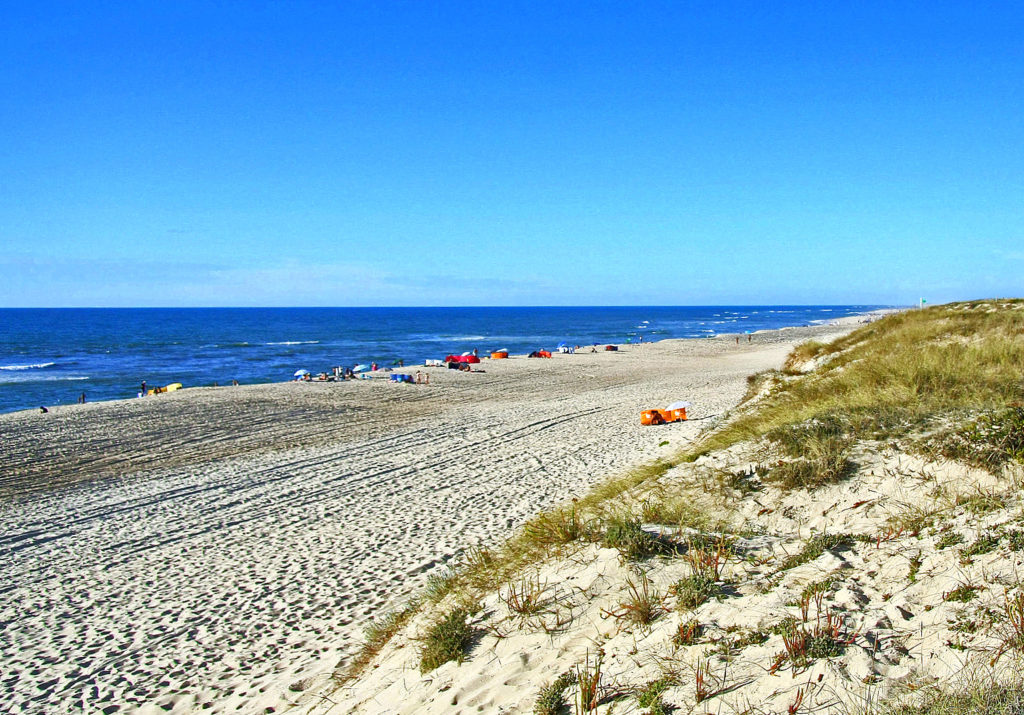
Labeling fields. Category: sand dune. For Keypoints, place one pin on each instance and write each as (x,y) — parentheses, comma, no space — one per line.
(221,549)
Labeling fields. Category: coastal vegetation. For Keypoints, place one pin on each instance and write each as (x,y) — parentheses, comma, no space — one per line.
(838,487)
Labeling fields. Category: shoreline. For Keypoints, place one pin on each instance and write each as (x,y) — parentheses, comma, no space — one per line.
(845,320)
(227,545)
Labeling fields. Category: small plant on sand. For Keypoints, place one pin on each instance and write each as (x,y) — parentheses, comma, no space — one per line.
(376,636)
(915,567)
(827,467)
(744,481)
(1011,624)
(1015,540)
(825,639)
(950,538)
(642,604)
(631,541)
(525,597)
(912,520)
(446,640)
(693,590)
(440,584)
(704,683)
(815,547)
(708,556)
(981,502)
(551,700)
(588,681)
(984,544)
(649,696)
(734,643)
(687,633)
(554,528)
(963,593)
(672,510)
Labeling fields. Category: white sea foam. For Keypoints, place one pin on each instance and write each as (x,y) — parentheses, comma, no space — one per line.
(295,342)
(26,367)
(15,379)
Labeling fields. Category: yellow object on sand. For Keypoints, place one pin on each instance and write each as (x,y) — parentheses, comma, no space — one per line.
(169,388)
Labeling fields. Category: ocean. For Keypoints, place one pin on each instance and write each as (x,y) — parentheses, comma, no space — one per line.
(52,356)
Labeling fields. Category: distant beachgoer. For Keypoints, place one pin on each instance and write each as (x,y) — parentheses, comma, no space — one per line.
(749,337)
(81,399)
(234,382)
(401,362)
(373,367)
(419,377)
(737,339)
(143,388)
(216,384)
(426,378)
(43,410)
(475,354)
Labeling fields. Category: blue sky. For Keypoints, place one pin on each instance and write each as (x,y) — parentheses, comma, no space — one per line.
(422,153)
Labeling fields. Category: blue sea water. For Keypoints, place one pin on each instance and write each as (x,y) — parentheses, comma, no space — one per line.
(51,356)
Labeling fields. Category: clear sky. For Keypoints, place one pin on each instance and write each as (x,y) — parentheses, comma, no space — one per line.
(525,153)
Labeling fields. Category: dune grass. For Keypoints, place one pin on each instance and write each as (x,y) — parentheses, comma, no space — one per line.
(895,375)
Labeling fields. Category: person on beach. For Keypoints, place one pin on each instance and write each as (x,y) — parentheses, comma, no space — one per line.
(373,367)
(143,389)
(81,399)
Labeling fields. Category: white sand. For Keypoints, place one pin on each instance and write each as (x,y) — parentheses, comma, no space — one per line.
(221,549)
(902,634)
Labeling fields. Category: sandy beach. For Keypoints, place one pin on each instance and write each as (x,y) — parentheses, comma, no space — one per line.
(221,549)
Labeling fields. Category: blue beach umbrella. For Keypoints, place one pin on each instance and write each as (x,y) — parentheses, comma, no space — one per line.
(360,368)
(300,373)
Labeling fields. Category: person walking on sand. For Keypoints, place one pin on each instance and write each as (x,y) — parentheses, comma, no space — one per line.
(81,399)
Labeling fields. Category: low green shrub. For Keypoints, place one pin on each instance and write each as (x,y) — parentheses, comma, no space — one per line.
(815,547)
(631,541)
(691,591)
(446,640)
(551,700)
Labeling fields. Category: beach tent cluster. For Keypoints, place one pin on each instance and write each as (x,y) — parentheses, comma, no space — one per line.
(451,361)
